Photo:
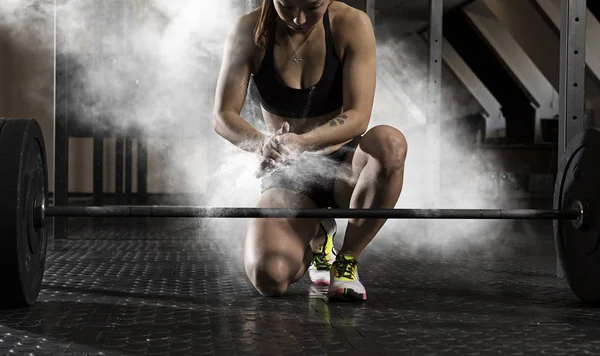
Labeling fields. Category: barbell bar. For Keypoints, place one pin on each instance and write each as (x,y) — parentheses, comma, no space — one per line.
(23,211)
(233,212)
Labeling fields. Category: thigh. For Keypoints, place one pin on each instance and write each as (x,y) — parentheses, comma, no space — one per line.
(280,239)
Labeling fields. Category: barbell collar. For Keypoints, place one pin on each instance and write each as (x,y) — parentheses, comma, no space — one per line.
(39,212)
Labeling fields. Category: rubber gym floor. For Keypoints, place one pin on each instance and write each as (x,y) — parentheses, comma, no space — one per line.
(178,287)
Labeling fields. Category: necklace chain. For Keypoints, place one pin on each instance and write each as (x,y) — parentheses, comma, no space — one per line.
(297,57)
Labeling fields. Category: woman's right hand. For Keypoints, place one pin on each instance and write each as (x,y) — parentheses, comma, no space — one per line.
(273,153)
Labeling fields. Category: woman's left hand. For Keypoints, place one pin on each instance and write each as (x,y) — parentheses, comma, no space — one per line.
(295,144)
(292,146)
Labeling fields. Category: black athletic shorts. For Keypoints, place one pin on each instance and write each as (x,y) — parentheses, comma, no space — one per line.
(315,179)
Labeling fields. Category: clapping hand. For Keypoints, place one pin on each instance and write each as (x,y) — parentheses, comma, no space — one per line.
(274,152)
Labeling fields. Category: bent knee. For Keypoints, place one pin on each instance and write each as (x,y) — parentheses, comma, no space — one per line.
(270,275)
(387,145)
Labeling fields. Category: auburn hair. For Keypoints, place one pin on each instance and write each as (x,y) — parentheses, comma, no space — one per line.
(264,32)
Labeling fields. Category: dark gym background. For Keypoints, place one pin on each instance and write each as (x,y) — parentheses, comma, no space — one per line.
(145,287)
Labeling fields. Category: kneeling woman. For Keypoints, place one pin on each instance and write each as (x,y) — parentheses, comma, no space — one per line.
(313,63)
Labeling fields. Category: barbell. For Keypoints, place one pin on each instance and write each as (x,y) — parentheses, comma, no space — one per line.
(23,212)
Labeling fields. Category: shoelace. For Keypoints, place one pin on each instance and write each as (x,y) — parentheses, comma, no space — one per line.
(345,268)
(320,259)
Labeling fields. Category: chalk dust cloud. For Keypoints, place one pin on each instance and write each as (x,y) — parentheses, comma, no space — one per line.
(157,70)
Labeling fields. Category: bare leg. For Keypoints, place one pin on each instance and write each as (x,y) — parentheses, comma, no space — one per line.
(278,252)
(378,168)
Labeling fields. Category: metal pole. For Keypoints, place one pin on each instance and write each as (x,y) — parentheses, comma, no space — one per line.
(61,116)
(435,93)
(433,125)
(572,70)
(572,77)
(370,10)
(436,18)
(162,211)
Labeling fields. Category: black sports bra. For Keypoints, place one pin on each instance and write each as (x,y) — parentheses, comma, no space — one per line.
(322,98)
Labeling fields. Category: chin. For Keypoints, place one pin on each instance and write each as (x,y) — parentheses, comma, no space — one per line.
(299,29)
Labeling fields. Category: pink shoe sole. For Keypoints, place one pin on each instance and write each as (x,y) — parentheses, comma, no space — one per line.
(322,282)
(347,295)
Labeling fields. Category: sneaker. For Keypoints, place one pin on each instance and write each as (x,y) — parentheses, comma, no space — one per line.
(345,285)
(319,269)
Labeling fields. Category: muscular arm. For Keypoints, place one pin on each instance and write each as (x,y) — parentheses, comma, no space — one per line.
(232,86)
(359,86)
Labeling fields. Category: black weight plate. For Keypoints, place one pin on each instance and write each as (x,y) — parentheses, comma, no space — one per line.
(35,192)
(578,178)
(23,178)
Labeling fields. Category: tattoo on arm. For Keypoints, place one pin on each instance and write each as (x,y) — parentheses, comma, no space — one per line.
(338,120)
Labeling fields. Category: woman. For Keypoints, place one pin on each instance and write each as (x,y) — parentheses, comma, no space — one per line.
(313,64)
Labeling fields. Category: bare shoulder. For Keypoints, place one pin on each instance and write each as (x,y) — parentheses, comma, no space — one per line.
(243,27)
(348,21)
(240,46)
(350,26)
